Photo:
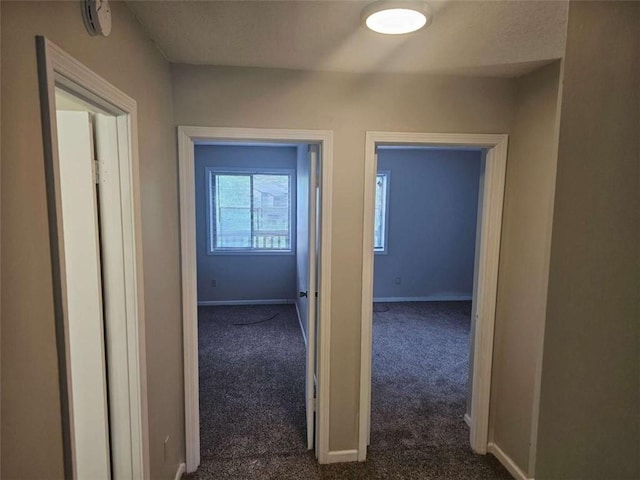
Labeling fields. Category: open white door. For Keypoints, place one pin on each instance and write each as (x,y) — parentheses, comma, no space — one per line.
(310,388)
(306,260)
(113,261)
(89,407)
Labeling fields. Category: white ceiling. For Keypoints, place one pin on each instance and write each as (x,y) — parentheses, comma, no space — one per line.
(503,38)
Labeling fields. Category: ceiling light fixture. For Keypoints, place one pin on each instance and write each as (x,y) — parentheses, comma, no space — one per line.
(395,17)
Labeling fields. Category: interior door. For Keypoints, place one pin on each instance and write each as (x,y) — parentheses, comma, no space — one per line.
(85,328)
(311,303)
(115,314)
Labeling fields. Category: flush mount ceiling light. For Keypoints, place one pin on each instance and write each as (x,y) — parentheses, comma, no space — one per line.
(395,17)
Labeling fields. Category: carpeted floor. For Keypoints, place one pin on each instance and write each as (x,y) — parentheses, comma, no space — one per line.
(252,397)
(419,381)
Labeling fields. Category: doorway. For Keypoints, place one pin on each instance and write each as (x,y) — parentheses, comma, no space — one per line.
(89,136)
(313,307)
(490,199)
(426,210)
(256,264)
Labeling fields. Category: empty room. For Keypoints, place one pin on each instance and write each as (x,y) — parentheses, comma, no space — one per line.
(253,253)
(426,212)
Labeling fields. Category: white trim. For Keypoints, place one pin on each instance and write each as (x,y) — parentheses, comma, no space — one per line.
(430,298)
(489,228)
(507,462)
(189,299)
(57,68)
(467,420)
(270,301)
(342,456)
(188,136)
(182,468)
(304,335)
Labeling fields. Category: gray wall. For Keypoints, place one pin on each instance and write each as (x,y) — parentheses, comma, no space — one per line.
(589,423)
(524,263)
(433,205)
(244,276)
(31,422)
(349,105)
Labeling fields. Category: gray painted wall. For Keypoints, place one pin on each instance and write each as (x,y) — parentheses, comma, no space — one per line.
(589,427)
(524,264)
(244,276)
(433,206)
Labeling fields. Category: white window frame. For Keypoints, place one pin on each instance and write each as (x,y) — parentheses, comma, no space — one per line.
(385,217)
(211,249)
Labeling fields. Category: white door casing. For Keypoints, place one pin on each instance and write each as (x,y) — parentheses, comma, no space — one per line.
(188,137)
(489,230)
(120,232)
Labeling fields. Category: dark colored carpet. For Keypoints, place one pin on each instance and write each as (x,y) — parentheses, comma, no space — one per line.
(252,397)
(419,384)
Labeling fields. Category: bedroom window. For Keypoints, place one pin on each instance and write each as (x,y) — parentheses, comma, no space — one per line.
(249,211)
(381,219)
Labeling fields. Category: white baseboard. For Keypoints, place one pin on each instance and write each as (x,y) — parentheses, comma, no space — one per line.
(507,462)
(430,298)
(269,301)
(181,469)
(341,456)
(304,335)
(467,419)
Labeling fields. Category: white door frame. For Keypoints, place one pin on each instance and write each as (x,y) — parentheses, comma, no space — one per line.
(489,250)
(58,69)
(188,137)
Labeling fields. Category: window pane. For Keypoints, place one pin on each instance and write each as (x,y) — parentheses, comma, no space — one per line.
(380,211)
(233,211)
(271,199)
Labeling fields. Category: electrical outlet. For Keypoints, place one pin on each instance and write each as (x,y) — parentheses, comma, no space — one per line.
(166,449)
(214,283)
(398,280)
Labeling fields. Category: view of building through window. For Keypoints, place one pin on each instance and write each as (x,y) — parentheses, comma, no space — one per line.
(249,211)
(380,219)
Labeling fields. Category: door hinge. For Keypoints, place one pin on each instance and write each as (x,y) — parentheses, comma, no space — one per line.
(99,171)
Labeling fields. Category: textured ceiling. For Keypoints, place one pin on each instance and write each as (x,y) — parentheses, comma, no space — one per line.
(470,37)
